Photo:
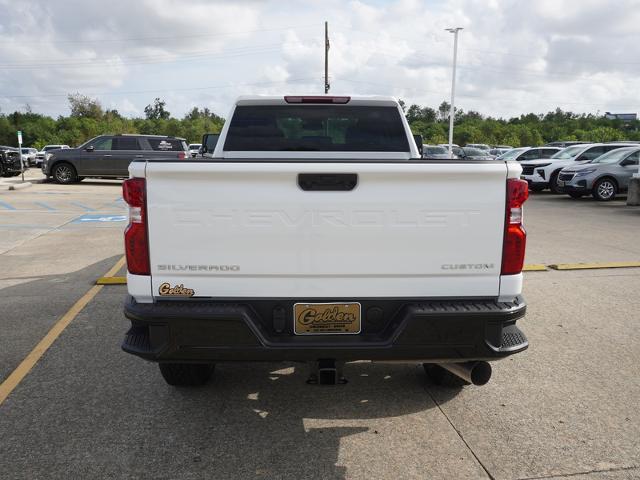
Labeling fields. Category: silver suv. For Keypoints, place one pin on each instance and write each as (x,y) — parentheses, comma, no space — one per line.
(603,177)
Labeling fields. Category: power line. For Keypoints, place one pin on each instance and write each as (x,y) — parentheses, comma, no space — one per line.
(413,41)
(416,54)
(171,37)
(41,62)
(186,89)
(151,59)
(148,61)
(442,93)
(572,60)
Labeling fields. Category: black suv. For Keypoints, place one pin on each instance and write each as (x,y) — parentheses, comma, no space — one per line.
(9,162)
(109,156)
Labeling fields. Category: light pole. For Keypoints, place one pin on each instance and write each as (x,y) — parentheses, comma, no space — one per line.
(452,110)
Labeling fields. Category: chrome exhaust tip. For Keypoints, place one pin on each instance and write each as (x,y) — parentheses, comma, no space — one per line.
(476,373)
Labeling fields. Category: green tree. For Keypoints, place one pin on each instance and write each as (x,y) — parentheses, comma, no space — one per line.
(157,110)
(84,107)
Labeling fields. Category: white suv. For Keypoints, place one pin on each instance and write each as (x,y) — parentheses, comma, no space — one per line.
(543,173)
(43,154)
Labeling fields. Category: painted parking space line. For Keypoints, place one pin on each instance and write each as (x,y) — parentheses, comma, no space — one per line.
(7,206)
(27,226)
(84,207)
(46,206)
(594,266)
(22,370)
(100,218)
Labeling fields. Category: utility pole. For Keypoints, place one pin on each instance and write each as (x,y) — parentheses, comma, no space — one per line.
(452,109)
(326,57)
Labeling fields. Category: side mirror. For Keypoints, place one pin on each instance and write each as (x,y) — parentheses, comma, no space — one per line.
(418,140)
(209,141)
(90,148)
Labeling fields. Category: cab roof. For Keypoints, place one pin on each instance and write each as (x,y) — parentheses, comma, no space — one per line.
(314,99)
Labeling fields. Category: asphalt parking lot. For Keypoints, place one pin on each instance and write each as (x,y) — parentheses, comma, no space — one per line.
(567,407)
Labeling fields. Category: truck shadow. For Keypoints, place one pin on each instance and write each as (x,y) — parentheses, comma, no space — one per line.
(273,425)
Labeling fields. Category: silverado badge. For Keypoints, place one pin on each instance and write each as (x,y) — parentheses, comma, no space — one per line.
(177,291)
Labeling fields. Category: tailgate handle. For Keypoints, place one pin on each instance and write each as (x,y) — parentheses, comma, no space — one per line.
(327,182)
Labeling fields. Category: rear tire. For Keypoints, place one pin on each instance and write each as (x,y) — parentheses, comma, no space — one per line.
(443,377)
(536,188)
(186,374)
(64,173)
(605,189)
(553,182)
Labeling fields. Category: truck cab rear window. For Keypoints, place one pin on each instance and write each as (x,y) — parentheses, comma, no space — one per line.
(316,128)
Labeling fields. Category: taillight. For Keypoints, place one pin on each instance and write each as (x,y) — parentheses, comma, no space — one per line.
(182,155)
(136,244)
(315,99)
(515,237)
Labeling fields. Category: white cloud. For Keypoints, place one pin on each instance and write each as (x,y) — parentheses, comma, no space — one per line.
(514,57)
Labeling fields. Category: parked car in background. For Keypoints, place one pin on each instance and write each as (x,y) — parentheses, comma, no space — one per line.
(505,147)
(28,156)
(479,146)
(9,161)
(194,149)
(543,173)
(42,154)
(470,153)
(603,177)
(435,152)
(496,152)
(529,153)
(564,144)
(109,156)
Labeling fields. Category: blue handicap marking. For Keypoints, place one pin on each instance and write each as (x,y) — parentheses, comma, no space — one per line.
(100,218)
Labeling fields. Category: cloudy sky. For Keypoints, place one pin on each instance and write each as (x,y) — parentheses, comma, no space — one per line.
(514,56)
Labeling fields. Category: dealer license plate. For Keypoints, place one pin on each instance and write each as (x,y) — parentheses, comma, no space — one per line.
(326,318)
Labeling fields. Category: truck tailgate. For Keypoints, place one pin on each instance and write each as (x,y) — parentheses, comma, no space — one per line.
(407,229)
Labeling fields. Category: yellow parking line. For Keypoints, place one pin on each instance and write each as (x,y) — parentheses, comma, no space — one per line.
(21,371)
(590,266)
(111,281)
(535,267)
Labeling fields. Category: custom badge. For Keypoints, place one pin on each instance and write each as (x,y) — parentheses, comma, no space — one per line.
(166,290)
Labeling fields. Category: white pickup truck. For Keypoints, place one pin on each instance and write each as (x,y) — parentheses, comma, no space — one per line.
(316,233)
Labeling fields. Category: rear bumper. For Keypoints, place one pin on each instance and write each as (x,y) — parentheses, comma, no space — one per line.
(574,189)
(261,330)
(576,186)
(535,181)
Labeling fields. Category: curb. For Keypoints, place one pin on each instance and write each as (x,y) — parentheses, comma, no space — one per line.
(111,281)
(536,267)
(20,186)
